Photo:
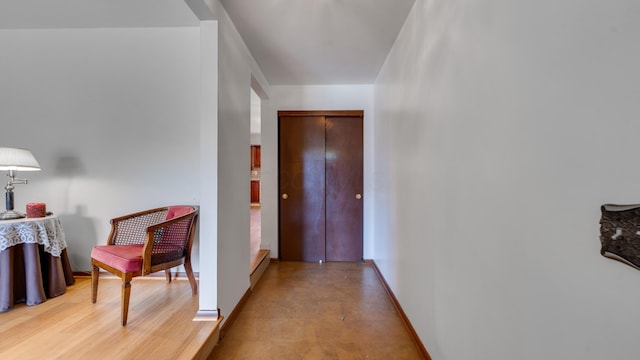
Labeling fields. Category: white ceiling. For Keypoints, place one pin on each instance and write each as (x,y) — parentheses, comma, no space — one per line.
(294,42)
(59,14)
(297,42)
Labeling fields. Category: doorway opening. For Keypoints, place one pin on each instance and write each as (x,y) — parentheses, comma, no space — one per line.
(255,162)
(259,248)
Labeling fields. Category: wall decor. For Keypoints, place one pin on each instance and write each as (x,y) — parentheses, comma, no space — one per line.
(620,233)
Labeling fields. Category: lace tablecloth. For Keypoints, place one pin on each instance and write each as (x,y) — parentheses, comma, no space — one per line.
(46,231)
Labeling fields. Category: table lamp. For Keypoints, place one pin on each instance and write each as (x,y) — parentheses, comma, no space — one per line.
(14,159)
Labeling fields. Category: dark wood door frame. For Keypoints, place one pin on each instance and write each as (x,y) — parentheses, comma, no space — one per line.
(355,203)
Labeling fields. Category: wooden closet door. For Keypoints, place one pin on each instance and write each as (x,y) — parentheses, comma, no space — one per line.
(302,188)
(320,177)
(343,188)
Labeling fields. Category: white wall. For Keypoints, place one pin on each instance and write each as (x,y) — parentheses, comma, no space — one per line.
(235,70)
(310,97)
(112,115)
(256,112)
(500,128)
(208,284)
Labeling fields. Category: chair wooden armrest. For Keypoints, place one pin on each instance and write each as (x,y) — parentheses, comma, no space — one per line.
(166,236)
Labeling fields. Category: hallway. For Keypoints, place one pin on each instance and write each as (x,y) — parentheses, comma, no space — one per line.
(317,311)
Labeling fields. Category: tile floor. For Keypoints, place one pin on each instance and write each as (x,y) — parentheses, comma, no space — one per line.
(317,311)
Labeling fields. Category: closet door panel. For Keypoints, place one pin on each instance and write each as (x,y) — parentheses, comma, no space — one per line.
(344,185)
(302,188)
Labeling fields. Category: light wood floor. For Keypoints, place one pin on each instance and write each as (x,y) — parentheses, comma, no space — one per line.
(160,323)
(71,327)
(317,311)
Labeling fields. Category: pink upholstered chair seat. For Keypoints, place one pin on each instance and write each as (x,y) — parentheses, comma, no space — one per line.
(126,258)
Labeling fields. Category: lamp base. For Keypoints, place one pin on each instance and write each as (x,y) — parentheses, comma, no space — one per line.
(11,214)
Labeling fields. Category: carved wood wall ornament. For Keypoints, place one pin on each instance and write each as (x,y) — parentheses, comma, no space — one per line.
(620,233)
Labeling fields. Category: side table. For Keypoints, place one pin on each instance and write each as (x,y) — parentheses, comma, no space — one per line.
(34,264)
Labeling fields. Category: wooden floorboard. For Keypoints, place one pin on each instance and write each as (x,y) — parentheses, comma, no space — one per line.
(160,324)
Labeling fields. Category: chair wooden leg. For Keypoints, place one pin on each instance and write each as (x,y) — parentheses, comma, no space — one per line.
(192,278)
(167,275)
(95,273)
(126,293)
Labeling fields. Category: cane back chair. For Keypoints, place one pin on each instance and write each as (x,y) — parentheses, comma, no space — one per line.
(143,243)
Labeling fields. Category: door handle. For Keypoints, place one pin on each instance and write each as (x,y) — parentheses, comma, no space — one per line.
(358,196)
(285,196)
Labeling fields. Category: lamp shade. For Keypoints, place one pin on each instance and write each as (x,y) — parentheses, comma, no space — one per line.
(17,159)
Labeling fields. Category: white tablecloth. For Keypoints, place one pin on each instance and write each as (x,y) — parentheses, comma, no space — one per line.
(46,231)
